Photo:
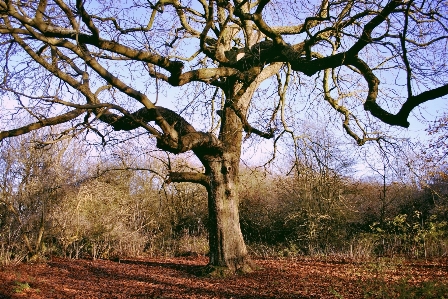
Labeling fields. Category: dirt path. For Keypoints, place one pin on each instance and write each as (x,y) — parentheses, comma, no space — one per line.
(175,278)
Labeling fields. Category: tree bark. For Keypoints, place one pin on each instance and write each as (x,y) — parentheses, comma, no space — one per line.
(228,251)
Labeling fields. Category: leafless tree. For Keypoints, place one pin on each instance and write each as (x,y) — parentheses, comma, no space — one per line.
(88,63)
(31,180)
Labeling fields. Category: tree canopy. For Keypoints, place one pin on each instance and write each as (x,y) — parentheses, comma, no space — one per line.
(60,57)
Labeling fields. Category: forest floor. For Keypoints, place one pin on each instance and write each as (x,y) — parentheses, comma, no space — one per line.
(177,278)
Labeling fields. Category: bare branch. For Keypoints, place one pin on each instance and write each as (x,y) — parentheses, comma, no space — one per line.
(190,177)
(60,119)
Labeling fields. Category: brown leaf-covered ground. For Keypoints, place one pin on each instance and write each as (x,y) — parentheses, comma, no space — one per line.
(177,278)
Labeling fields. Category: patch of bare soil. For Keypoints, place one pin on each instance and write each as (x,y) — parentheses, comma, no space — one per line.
(177,278)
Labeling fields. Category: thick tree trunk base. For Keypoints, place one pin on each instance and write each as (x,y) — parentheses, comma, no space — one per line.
(224,271)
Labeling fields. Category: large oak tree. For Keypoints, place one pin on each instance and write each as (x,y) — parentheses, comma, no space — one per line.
(89,64)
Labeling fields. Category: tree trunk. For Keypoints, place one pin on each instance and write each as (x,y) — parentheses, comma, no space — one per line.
(228,252)
(220,157)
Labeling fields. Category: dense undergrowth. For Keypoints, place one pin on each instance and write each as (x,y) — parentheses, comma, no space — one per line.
(52,206)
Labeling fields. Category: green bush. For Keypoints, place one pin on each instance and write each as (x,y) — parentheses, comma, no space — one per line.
(411,236)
